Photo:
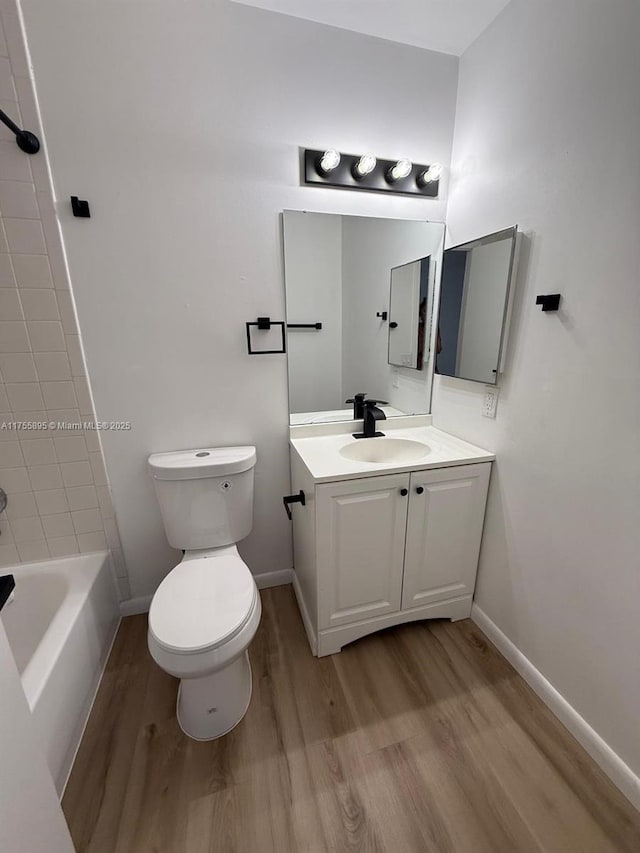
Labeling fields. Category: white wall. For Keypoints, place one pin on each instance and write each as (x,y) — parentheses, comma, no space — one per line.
(181,124)
(30,815)
(313,273)
(548,135)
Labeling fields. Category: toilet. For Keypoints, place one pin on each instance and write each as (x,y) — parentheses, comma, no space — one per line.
(206,611)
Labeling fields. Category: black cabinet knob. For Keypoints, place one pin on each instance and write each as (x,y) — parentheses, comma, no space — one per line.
(419,490)
(404,492)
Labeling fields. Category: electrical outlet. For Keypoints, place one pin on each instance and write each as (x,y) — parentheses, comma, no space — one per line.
(490,402)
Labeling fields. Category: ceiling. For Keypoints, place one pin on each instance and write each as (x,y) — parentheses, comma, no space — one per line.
(448,26)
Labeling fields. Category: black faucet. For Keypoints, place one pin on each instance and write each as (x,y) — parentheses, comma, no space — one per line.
(371,414)
(359,403)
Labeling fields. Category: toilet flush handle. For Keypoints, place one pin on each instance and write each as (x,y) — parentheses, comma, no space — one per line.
(293,499)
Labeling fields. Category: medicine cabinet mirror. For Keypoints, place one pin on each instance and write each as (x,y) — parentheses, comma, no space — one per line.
(408,314)
(357,276)
(475,293)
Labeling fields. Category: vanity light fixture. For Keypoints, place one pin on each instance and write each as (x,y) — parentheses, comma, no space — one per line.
(430,175)
(327,167)
(402,169)
(364,166)
(329,161)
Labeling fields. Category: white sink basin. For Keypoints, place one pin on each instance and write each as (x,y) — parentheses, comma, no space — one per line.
(382,450)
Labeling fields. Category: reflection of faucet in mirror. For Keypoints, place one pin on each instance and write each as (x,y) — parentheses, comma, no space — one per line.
(371,414)
(358,401)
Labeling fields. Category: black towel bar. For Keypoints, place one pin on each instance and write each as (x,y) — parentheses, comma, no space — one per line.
(300,498)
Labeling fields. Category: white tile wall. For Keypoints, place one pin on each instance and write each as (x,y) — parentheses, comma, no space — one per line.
(59,497)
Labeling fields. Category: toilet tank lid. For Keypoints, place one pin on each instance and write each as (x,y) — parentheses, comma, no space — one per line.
(202,462)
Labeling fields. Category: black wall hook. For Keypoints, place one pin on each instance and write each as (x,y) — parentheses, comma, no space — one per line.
(80,207)
(550,302)
(27,141)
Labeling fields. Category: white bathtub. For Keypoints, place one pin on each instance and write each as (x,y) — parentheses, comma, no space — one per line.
(60,628)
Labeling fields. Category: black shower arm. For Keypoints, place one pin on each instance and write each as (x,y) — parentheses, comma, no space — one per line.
(27,141)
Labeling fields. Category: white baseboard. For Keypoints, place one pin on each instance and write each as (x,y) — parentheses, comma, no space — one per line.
(620,773)
(133,606)
(280,578)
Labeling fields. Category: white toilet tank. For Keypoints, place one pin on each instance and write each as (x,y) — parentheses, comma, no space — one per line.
(205,495)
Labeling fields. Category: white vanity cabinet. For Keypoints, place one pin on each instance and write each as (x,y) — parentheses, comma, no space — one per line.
(381,550)
(360,548)
(444,530)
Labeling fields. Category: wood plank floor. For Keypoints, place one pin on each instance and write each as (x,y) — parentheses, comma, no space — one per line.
(420,738)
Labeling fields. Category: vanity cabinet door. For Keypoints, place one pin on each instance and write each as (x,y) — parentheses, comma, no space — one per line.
(360,533)
(444,531)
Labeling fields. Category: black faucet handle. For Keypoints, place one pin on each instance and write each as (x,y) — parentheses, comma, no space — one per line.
(371,403)
(358,405)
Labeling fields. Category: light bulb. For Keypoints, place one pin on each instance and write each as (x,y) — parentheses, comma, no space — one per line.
(364,166)
(430,175)
(329,161)
(400,170)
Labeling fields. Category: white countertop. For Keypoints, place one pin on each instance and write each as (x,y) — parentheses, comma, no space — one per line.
(321,453)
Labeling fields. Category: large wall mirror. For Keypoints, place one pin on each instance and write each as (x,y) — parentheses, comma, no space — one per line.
(371,284)
(477,283)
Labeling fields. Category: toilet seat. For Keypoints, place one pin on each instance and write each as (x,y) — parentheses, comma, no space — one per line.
(203,603)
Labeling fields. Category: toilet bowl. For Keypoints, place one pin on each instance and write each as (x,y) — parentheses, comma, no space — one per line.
(206,611)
